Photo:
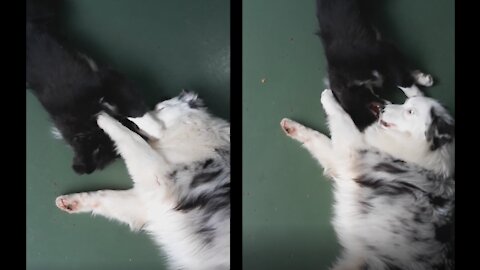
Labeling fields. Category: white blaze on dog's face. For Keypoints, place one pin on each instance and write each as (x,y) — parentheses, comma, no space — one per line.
(167,113)
(172,110)
(412,117)
(419,117)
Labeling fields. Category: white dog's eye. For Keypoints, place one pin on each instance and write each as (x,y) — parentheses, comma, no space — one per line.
(410,111)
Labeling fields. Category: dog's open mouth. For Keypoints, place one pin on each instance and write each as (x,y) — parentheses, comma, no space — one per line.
(385,124)
(375,108)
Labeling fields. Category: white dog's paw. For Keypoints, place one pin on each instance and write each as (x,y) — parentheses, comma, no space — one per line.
(149,124)
(423,78)
(329,103)
(111,126)
(294,130)
(105,121)
(288,126)
(73,203)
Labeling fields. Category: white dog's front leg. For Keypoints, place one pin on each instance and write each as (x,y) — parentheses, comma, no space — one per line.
(149,124)
(144,164)
(345,135)
(319,145)
(121,205)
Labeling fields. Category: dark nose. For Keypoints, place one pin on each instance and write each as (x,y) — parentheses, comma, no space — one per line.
(82,168)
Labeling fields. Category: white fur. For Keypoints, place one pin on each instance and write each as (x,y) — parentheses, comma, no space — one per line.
(56,133)
(183,136)
(405,135)
(339,156)
(150,124)
(422,78)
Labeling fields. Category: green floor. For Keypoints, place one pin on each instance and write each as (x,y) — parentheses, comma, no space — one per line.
(286,200)
(163,46)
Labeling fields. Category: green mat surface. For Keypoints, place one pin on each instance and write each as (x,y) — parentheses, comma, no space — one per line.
(163,46)
(286,199)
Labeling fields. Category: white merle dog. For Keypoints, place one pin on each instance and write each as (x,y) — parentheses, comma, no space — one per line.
(181,193)
(394,183)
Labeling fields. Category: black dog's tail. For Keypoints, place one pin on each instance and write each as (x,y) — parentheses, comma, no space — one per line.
(342,19)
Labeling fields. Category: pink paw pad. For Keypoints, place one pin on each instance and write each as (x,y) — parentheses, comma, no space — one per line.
(67,204)
(288,127)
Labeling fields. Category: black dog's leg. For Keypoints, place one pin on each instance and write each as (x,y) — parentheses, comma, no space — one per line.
(400,74)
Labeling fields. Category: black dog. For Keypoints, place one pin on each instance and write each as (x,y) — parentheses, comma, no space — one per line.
(73,89)
(360,63)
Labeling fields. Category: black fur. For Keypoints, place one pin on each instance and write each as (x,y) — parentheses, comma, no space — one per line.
(70,90)
(354,51)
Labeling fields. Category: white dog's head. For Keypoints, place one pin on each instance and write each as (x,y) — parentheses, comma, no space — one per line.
(180,110)
(420,117)
(172,110)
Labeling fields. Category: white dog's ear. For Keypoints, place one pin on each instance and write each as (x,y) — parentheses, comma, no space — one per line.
(441,130)
(191,99)
(412,91)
